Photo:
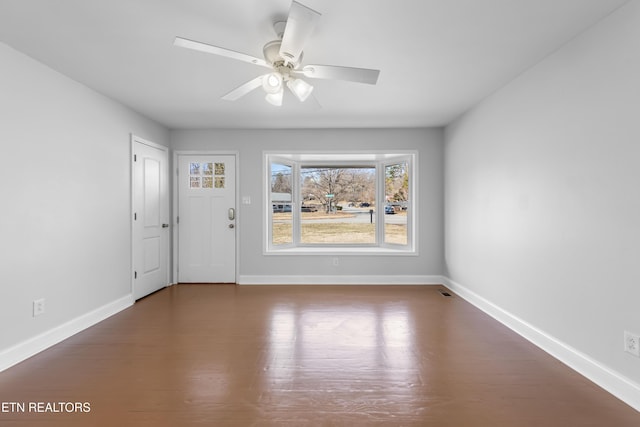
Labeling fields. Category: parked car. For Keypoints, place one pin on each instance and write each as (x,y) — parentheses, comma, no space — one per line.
(282,208)
(388,209)
(365,205)
(308,208)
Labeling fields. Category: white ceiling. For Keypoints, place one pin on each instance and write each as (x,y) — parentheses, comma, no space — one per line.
(437,58)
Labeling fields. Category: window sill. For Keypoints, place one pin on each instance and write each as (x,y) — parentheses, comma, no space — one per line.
(334,251)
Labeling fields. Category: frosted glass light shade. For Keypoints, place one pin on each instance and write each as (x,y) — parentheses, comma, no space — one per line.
(275,98)
(272,83)
(300,88)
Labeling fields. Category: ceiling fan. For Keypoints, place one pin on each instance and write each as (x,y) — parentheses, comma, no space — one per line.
(284,58)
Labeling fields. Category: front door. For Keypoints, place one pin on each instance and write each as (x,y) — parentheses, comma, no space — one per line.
(150,217)
(206,219)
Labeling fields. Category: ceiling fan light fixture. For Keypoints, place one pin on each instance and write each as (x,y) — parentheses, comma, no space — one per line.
(275,98)
(300,88)
(283,58)
(272,83)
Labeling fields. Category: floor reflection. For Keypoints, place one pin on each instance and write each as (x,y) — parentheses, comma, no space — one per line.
(348,355)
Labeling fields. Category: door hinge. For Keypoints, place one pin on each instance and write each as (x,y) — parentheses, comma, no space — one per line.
(135,274)
(135,157)
(135,216)
(177,220)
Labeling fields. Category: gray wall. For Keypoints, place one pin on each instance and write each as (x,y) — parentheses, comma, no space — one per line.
(65,191)
(252,143)
(542,201)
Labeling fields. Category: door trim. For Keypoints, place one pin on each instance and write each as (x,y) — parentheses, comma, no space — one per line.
(136,139)
(175,199)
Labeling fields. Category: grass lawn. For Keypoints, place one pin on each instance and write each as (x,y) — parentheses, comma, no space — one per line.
(339,232)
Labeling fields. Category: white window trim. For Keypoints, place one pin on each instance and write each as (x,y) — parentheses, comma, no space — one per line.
(348,158)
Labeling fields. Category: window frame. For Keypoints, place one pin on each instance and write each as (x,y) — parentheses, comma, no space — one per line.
(410,203)
(379,160)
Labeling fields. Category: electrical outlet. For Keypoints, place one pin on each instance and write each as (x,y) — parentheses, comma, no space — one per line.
(38,307)
(632,343)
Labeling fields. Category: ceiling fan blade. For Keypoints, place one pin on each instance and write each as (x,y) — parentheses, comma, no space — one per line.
(243,89)
(301,22)
(204,47)
(334,72)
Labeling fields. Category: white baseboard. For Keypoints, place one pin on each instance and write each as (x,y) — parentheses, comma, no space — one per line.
(339,280)
(24,350)
(623,388)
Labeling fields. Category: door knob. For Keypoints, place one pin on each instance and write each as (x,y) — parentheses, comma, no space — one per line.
(165,225)
(231,226)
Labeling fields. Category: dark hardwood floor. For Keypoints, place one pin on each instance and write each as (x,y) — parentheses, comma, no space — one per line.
(226,355)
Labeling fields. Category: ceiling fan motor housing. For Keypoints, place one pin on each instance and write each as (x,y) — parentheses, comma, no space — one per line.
(271,53)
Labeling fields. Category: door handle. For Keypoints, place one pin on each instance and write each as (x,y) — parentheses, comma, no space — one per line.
(232,214)
(165,225)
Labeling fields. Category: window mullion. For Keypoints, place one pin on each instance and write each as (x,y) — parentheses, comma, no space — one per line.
(379,203)
(295,204)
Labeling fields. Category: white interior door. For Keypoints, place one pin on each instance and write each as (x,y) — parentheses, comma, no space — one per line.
(150,217)
(206,212)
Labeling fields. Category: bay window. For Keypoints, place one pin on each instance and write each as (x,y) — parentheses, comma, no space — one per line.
(340,202)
